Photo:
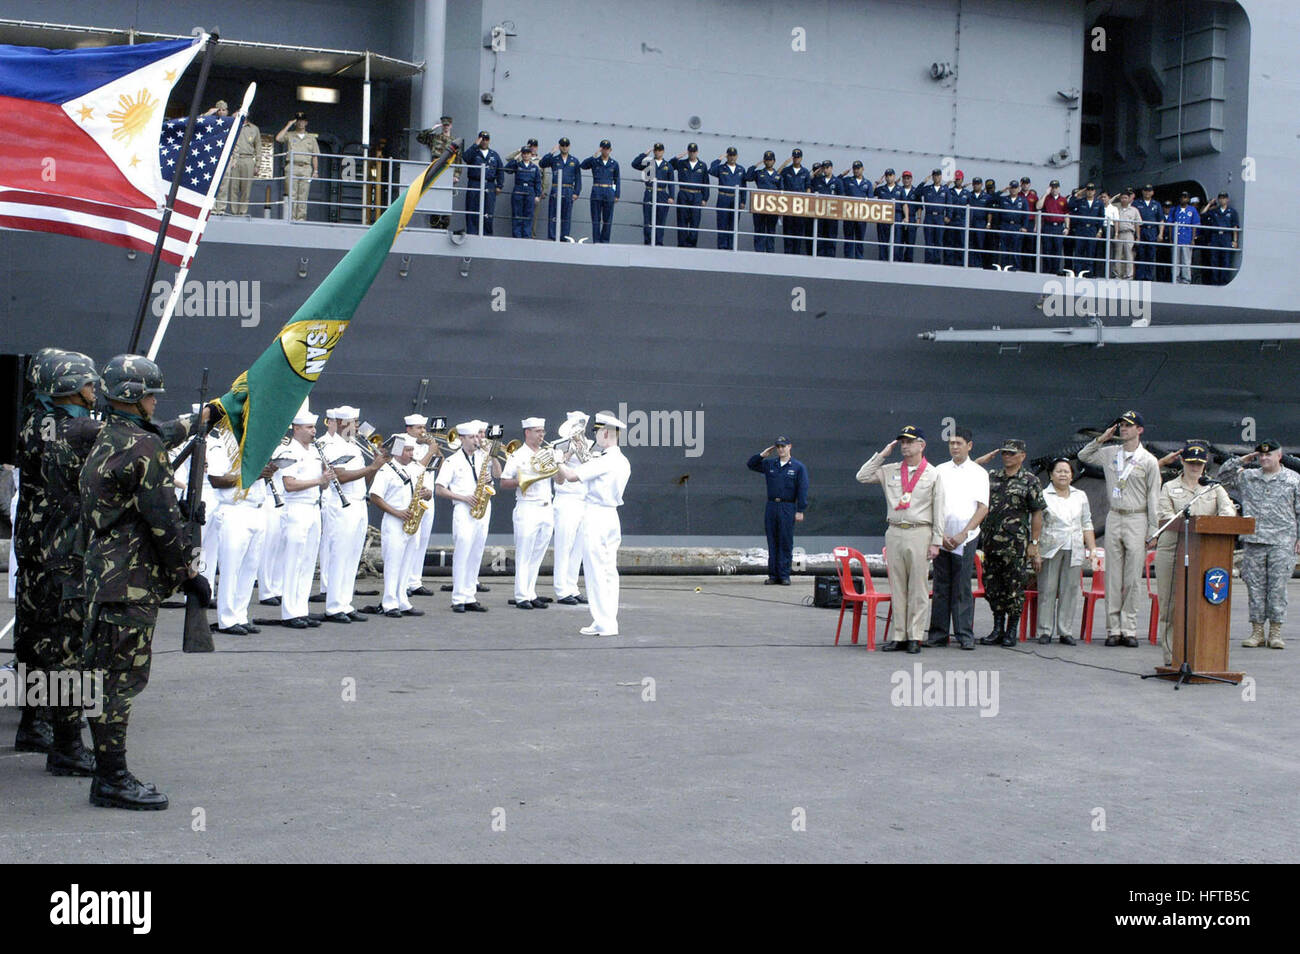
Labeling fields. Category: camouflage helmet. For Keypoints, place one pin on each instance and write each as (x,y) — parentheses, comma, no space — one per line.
(129,377)
(70,372)
(39,372)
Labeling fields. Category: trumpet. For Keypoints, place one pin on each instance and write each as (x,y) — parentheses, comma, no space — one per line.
(367,440)
(447,442)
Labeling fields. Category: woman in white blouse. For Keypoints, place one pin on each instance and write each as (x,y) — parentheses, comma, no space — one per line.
(1067,540)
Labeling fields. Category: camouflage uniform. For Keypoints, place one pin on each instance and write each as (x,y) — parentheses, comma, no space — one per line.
(437,141)
(1268,555)
(1004,537)
(135,557)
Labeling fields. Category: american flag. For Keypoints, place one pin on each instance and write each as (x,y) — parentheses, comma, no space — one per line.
(135,228)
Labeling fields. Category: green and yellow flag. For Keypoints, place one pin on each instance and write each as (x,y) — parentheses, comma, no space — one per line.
(264,399)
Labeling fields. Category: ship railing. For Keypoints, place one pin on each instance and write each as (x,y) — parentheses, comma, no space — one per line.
(350,189)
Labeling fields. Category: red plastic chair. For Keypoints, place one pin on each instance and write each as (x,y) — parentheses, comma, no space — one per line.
(1091,598)
(1149,572)
(977,590)
(1029,614)
(867,596)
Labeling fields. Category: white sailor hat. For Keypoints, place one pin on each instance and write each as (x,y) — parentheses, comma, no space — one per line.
(194,408)
(414,420)
(528,422)
(609,420)
(331,414)
(305,417)
(469,427)
(346,412)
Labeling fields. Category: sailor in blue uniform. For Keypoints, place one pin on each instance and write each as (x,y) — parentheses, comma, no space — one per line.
(484,167)
(795,177)
(606,187)
(692,195)
(1150,233)
(934,212)
(523,197)
(1222,220)
(954,237)
(826,231)
(905,234)
(855,186)
(1014,220)
(1087,216)
(787,499)
(566,182)
(658,175)
(766,178)
(891,190)
(983,211)
(731,180)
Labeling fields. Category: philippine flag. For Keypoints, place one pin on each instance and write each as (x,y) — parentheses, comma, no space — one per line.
(85,124)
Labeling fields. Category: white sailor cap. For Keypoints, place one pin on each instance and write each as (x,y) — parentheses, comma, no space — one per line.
(609,420)
(345,412)
(469,427)
(399,444)
(414,420)
(528,422)
(305,417)
(194,408)
(331,414)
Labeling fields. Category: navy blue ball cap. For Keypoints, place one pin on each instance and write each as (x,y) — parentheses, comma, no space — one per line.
(1195,450)
(781,441)
(1130,417)
(769,154)
(911,433)
(604,144)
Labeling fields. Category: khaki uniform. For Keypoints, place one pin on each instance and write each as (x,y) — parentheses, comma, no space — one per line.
(238,180)
(1174,496)
(911,532)
(1127,223)
(1133,497)
(302,151)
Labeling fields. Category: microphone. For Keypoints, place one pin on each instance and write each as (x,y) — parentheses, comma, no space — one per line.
(1207,481)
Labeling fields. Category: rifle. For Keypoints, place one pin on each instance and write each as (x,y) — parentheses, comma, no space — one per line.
(198,634)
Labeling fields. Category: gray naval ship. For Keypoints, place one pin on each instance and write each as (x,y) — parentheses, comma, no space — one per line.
(710,353)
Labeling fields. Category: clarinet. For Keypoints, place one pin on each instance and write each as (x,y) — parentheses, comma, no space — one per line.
(275,494)
(334,481)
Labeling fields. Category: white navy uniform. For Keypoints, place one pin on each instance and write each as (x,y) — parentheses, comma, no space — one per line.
(416,578)
(569,506)
(210,533)
(395,484)
(459,474)
(534,522)
(243,533)
(604,477)
(270,565)
(301,530)
(344,527)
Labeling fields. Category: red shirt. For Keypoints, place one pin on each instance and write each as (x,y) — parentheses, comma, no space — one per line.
(1031,197)
(1054,207)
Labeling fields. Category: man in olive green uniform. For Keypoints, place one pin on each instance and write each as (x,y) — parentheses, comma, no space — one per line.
(438,139)
(1009,537)
(1133,489)
(300,162)
(914,510)
(135,557)
(242,169)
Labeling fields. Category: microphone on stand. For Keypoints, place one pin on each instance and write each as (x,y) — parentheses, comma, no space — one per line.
(1207,481)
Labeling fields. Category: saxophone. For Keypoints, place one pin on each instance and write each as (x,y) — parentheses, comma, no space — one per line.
(483,491)
(412,523)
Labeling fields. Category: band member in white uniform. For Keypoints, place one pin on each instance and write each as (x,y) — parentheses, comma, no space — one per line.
(457,479)
(605,476)
(347,525)
(243,531)
(327,524)
(534,519)
(210,534)
(417,429)
(393,492)
(270,566)
(303,481)
(569,507)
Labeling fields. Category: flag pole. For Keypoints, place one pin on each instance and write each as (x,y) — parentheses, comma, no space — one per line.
(205,213)
(210,40)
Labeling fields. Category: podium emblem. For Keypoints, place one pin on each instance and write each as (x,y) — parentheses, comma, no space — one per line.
(1217,581)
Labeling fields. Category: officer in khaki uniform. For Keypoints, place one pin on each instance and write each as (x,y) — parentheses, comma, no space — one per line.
(1133,489)
(300,165)
(238,180)
(1270,494)
(221,109)
(914,509)
(1175,496)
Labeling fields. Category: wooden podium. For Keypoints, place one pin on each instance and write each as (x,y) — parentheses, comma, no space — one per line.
(1210,540)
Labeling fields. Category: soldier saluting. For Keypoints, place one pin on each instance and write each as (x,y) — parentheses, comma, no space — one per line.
(135,557)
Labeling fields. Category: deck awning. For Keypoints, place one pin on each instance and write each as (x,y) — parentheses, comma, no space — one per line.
(237,54)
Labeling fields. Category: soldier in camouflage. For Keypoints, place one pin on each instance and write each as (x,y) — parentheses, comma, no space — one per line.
(437,139)
(135,557)
(35,732)
(1009,539)
(1270,494)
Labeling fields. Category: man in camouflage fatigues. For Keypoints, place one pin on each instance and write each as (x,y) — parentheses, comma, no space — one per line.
(1271,495)
(135,557)
(1009,538)
(437,139)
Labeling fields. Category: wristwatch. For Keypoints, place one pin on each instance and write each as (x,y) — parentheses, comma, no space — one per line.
(1033,543)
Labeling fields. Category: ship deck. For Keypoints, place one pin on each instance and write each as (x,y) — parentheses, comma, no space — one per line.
(463,719)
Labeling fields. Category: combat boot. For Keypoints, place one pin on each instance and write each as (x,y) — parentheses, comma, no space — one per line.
(1256,636)
(35,732)
(995,638)
(115,787)
(1011,635)
(1275,640)
(67,755)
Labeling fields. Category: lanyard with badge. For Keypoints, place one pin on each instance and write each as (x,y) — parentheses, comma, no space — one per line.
(1122,471)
